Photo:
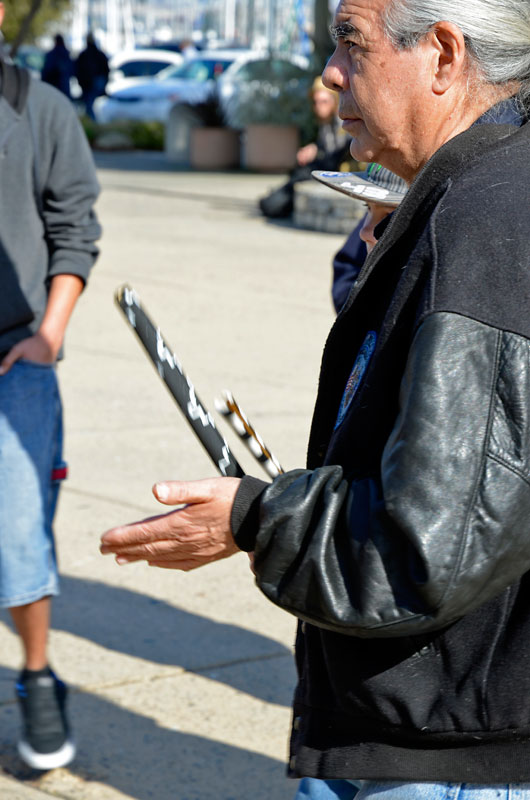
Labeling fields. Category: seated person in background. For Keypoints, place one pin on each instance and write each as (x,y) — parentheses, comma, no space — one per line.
(382,192)
(328,152)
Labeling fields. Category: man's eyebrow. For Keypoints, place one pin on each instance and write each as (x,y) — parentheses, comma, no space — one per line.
(345,29)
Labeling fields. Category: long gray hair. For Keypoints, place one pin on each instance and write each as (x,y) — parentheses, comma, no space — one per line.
(496,32)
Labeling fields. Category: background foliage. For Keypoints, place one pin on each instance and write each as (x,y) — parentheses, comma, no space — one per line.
(16,11)
(139,135)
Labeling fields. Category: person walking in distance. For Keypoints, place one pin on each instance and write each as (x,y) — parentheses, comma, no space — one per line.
(92,73)
(47,247)
(58,67)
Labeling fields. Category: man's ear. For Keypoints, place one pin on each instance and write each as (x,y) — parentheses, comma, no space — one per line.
(2,11)
(450,55)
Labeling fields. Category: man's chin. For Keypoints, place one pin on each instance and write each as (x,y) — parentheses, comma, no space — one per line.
(362,151)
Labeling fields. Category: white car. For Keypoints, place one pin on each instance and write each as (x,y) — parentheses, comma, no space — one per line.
(131,67)
(191,82)
(251,80)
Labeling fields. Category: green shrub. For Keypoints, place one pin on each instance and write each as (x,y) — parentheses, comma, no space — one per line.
(143,135)
(147,135)
(90,127)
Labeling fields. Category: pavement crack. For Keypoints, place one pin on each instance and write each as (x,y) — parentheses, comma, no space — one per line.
(235,662)
(198,670)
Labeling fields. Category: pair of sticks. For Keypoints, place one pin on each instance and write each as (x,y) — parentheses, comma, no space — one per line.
(181,388)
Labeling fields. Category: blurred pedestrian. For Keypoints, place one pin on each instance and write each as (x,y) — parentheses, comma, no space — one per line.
(327,152)
(47,235)
(92,73)
(188,49)
(58,67)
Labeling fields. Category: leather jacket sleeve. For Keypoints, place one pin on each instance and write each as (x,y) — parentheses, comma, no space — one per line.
(443,527)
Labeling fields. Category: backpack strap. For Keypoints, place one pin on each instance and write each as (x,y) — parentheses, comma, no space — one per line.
(15,85)
(15,89)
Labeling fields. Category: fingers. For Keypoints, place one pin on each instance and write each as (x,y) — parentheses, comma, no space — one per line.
(174,493)
(172,554)
(35,348)
(147,530)
(8,360)
(183,566)
(173,548)
(197,533)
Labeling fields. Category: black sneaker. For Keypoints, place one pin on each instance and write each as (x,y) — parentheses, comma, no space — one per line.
(45,742)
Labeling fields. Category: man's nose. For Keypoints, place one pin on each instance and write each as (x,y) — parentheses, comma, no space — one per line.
(335,74)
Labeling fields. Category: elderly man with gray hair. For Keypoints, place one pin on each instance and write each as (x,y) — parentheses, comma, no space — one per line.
(404,546)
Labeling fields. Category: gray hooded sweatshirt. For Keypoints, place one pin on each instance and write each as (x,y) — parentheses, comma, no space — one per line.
(48,187)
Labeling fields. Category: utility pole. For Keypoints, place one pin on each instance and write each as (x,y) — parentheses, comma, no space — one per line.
(230,20)
(250,22)
(79,24)
(111,41)
(129,37)
(271,25)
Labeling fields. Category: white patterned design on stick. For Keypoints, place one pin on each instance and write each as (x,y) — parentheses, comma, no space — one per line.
(230,409)
(177,382)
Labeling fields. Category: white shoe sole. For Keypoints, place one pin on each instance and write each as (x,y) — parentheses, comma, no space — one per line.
(60,758)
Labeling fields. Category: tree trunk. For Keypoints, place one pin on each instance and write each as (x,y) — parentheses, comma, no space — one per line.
(24,28)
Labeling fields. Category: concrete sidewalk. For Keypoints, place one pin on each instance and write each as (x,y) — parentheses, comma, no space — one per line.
(180,683)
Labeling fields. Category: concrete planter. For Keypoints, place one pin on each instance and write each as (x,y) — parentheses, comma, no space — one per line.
(214,148)
(317,208)
(181,121)
(270,148)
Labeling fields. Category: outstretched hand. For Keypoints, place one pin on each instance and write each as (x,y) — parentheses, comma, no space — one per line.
(196,533)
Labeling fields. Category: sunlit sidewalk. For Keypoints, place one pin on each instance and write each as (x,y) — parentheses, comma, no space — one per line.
(180,683)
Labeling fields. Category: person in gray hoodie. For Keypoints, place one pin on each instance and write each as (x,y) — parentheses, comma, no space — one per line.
(48,230)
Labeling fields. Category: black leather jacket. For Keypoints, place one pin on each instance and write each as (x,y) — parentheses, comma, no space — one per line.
(405,544)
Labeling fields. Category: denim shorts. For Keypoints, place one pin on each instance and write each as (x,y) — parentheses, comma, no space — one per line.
(312,789)
(31,467)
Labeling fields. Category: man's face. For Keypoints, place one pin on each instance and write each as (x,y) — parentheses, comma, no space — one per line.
(381,88)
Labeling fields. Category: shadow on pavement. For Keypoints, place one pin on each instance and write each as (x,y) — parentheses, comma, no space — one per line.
(137,757)
(216,193)
(137,625)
